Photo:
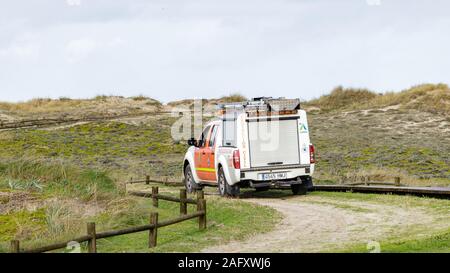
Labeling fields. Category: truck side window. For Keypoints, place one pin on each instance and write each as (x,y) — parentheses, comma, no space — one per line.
(229,132)
(212,138)
(202,140)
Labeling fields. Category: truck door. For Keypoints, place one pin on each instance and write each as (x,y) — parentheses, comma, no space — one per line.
(200,154)
(210,169)
(303,133)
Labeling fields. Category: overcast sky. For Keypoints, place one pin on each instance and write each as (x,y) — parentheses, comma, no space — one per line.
(175,49)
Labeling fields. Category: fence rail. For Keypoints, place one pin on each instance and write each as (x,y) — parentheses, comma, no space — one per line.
(164,181)
(153,226)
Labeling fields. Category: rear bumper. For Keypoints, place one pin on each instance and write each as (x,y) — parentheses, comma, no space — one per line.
(292,173)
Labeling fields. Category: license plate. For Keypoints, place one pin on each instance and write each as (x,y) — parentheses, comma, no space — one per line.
(273,176)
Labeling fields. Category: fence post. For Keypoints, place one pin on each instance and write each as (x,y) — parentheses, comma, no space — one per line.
(397,181)
(155,196)
(15,246)
(153,232)
(183,204)
(200,195)
(147,179)
(201,206)
(92,243)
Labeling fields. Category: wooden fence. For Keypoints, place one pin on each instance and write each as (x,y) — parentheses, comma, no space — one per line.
(364,181)
(92,236)
(164,181)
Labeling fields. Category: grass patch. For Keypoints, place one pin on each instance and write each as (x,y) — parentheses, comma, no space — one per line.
(22,223)
(433,204)
(227,220)
(105,144)
(438,243)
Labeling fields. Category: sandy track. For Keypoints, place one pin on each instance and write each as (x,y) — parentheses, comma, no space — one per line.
(314,223)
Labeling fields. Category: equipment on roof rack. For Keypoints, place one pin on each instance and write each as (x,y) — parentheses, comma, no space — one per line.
(263,104)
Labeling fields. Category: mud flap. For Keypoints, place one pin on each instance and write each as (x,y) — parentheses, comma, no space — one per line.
(307,181)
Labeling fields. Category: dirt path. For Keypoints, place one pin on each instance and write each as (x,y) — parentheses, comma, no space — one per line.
(315,223)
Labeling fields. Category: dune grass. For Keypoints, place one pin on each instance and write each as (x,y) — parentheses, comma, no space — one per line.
(66,104)
(434,98)
(55,178)
(41,105)
(234,97)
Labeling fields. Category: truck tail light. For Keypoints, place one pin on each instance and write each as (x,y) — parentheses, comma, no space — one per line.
(236,159)
(312,155)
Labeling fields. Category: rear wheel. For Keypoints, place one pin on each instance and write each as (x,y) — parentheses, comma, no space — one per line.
(226,189)
(189,182)
(299,189)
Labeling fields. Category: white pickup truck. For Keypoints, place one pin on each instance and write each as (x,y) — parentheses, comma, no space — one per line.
(262,143)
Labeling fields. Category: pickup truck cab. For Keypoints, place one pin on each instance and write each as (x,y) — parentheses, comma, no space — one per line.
(262,143)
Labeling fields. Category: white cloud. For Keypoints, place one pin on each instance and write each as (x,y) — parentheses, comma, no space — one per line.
(21,51)
(80,49)
(77,50)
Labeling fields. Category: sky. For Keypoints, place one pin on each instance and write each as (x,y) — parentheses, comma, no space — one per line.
(177,49)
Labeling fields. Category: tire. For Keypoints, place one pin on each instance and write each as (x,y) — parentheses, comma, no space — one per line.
(299,189)
(226,189)
(189,182)
(234,190)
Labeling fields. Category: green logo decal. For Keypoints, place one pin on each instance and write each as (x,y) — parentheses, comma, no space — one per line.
(303,128)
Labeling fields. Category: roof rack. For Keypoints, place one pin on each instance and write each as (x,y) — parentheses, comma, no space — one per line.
(263,104)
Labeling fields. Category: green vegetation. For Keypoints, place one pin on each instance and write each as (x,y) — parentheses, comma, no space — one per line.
(41,199)
(381,146)
(22,223)
(103,145)
(438,243)
(441,206)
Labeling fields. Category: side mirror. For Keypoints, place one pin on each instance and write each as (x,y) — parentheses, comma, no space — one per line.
(192,142)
